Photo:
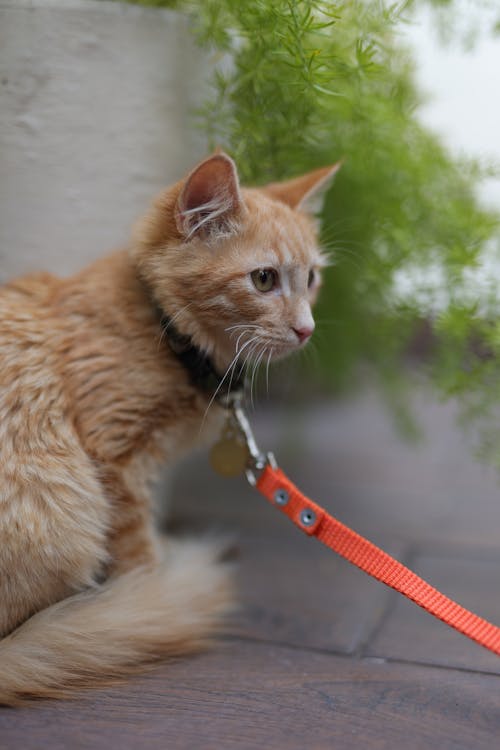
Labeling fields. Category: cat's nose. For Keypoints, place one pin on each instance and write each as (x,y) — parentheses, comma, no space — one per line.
(304,333)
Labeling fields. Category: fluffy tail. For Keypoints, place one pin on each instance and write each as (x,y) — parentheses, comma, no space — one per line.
(110,631)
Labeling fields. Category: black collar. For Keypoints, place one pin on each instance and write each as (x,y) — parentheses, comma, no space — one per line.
(200,367)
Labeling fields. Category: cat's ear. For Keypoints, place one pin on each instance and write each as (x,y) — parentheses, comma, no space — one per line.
(306,192)
(210,198)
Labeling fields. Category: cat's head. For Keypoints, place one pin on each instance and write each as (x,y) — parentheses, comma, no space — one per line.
(236,269)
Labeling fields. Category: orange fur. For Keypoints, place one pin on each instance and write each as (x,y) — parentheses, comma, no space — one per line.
(93,402)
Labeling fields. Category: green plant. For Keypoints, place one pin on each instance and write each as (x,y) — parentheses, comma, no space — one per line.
(307,82)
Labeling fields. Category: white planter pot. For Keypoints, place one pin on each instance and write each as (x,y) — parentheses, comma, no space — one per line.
(95,116)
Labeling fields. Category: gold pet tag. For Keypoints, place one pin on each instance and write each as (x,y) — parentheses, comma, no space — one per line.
(229,456)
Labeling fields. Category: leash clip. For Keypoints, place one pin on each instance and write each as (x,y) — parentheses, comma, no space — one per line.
(257,460)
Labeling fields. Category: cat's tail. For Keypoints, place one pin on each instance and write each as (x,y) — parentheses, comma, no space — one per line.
(107,632)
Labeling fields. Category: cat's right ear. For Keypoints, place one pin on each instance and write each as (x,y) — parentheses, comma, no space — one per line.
(210,199)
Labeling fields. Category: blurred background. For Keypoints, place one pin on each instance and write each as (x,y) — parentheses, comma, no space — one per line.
(103,103)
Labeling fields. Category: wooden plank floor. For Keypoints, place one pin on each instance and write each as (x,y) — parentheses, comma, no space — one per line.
(321,656)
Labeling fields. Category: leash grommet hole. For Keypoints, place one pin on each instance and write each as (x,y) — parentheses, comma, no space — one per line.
(281,497)
(307,517)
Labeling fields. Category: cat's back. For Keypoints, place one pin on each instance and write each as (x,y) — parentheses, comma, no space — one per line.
(28,335)
(25,304)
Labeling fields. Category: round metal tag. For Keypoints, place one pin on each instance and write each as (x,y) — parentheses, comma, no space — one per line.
(229,457)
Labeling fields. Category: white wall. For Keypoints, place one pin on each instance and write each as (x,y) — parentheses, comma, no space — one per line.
(462,83)
(95,104)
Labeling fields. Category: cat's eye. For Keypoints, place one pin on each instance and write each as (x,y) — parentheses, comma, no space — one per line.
(311,278)
(264,279)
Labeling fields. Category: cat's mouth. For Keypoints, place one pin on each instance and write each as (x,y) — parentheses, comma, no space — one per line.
(258,347)
(253,346)
(284,349)
(276,348)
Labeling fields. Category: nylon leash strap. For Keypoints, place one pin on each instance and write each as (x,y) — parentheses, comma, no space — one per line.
(315,521)
(263,473)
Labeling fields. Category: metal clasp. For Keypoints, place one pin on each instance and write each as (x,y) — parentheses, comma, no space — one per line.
(258,460)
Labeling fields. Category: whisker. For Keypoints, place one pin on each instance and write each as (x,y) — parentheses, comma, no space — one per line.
(255,368)
(267,370)
(239,339)
(163,333)
(177,314)
(223,379)
(241,325)
(247,359)
(261,358)
(233,370)
(250,352)
(164,328)
(337,252)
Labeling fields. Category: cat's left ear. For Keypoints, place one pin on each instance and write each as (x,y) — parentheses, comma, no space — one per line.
(210,198)
(305,193)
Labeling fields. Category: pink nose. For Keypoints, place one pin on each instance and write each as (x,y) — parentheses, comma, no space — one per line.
(304,333)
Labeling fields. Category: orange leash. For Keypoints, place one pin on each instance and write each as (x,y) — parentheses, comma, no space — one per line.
(315,521)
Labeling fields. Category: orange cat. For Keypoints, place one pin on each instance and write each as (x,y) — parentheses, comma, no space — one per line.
(96,394)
